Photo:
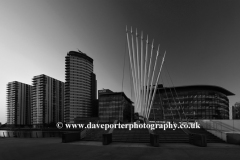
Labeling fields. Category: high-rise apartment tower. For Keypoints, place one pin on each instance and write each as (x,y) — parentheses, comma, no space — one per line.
(47,100)
(80,87)
(18,103)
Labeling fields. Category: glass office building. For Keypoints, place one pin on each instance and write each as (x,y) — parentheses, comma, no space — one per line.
(114,106)
(190,102)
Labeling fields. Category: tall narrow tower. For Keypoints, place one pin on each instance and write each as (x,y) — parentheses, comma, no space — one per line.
(18,103)
(80,86)
(47,100)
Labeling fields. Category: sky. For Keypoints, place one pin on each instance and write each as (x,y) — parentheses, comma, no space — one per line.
(201,39)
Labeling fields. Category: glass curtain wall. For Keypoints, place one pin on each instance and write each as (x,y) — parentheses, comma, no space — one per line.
(190,105)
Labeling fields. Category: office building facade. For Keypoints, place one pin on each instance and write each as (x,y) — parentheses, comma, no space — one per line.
(114,106)
(47,100)
(190,102)
(18,103)
(80,87)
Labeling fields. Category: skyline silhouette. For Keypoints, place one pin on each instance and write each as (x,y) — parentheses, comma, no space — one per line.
(201,39)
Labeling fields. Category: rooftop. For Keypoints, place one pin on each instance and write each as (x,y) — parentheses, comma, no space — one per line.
(80,54)
(201,87)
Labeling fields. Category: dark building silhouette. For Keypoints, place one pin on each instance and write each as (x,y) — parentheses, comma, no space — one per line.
(47,100)
(18,103)
(80,87)
(114,106)
(94,95)
(236,111)
(191,102)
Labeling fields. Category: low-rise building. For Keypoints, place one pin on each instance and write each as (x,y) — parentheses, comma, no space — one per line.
(114,106)
(236,111)
(190,102)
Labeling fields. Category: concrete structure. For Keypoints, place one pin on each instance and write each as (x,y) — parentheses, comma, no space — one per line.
(80,87)
(114,106)
(190,102)
(223,129)
(18,103)
(47,100)
(47,148)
